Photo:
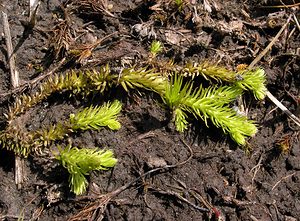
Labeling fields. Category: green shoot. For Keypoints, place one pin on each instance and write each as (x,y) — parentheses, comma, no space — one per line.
(92,118)
(180,120)
(208,71)
(175,94)
(254,81)
(52,133)
(80,162)
(207,103)
(155,48)
(179,4)
(142,78)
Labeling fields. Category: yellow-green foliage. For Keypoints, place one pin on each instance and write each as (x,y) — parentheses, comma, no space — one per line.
(16,140)
(208,71)
(51,133)
(179,94)
(253,81)
(207,103)
(182,98)
(143,78)
(155,48)
(80,162)
(92,118)
(73,81)
(86,82)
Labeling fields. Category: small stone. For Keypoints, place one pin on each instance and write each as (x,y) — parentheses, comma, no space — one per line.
(289,218)
(293,163)
(156,162)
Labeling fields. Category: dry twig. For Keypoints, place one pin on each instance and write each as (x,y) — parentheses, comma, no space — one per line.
(268,94)
(93,6)
(11,57)
(281,6)
(283,108)
(14,78)
(263,53)
(296,21)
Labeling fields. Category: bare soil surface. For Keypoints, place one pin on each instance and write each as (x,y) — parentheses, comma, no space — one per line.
(213,178)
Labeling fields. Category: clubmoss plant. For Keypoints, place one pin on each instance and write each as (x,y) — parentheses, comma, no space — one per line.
(80,162)
(17,140)
(44,137)
(72,81)
(174,83)
(86,82)
(182,98)
(91,118)
(207,103)
(143,78)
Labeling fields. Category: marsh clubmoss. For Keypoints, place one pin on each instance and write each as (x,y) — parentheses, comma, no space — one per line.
(174,83)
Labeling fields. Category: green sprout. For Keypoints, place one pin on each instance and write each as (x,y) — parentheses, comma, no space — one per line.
(180,120)
(80,162)
(179,4)
(155,47)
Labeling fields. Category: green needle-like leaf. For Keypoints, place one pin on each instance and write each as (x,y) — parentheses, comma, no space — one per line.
(96,117)
(178,94)
(175,92)
(51,133)
(237,126)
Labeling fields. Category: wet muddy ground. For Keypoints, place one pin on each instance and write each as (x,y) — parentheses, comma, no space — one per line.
(212,178)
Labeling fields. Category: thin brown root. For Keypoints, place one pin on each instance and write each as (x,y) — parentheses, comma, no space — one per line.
(282,179)
(256,168)
(181,198)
